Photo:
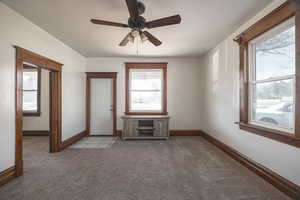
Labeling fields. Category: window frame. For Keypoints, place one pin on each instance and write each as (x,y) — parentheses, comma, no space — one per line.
(36,113)
(163,67)
(278,16)
(252,75)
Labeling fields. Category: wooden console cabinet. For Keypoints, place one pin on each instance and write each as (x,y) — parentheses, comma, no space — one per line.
(145,127)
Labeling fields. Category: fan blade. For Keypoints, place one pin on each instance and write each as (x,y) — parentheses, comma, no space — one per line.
(176,19)
(152,39)
(132,8)
(125,40)
(102,22)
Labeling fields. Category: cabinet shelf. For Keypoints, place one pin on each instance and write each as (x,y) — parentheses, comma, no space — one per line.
(145,128)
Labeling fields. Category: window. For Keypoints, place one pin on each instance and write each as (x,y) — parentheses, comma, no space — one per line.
(146,88)
(272,78)
(31,91)
(269,70)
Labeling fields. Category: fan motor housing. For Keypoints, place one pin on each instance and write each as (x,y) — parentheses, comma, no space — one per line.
(139,23)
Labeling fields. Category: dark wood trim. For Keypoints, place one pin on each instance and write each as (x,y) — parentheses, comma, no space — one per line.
(23,55)
(177,133)
(297,86)
(244,77)
(126,89)
(102,74)
(31,114)
(7,175)
(36,133)
(185,133)
(93,75)
(276,17)
(146,65)
(273,178)
(140,65)
(88,105)
(56,111)
(65,144)
(272,134)
(38,60)
(39,80)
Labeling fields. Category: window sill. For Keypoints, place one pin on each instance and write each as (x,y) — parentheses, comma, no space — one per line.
(29,114)
(145,113)
(279,136)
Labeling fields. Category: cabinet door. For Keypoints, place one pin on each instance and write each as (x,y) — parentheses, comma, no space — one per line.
(130,128)
(161,128)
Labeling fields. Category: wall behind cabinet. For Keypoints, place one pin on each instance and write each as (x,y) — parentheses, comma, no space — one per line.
(184,82)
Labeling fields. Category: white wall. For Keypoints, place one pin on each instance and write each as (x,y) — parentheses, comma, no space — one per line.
(184,98)
(41,122)
(17,30)
(221,109)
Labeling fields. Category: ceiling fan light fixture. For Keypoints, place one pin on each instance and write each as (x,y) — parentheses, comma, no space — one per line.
(130,38)
(136,23)
(135,33)
(144,38)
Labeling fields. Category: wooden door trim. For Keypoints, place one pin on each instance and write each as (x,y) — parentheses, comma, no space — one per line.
(23,55)
(95,75)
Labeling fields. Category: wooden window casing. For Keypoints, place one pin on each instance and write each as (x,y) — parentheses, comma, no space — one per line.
(286,11)
(162,66)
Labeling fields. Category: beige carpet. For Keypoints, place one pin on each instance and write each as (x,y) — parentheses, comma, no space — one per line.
(183,168)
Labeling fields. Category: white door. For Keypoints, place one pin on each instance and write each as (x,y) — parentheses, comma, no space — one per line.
(101,106)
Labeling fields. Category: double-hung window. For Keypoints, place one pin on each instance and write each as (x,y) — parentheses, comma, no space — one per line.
(272,78)
(270,75)
(146,88)
(31,91)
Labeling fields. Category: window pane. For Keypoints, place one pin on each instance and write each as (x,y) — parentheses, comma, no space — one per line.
(273,103)
(30,80)
(146,79)
(146,101)
(276,56)
(29,101)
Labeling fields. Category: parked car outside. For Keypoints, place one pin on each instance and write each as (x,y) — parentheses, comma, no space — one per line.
(280,115)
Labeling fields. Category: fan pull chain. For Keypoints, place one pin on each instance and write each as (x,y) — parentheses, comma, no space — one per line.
(137,46)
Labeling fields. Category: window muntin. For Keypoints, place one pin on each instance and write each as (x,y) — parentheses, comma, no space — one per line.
(272,78)
(145,90)
(30,90)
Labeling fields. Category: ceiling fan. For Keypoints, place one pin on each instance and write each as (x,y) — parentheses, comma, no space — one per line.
(137,23)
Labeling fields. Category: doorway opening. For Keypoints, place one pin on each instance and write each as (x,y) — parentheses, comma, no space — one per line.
(101,98)
(36,112)
(30,106)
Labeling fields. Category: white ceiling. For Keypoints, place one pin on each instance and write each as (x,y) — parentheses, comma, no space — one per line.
(204,24)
